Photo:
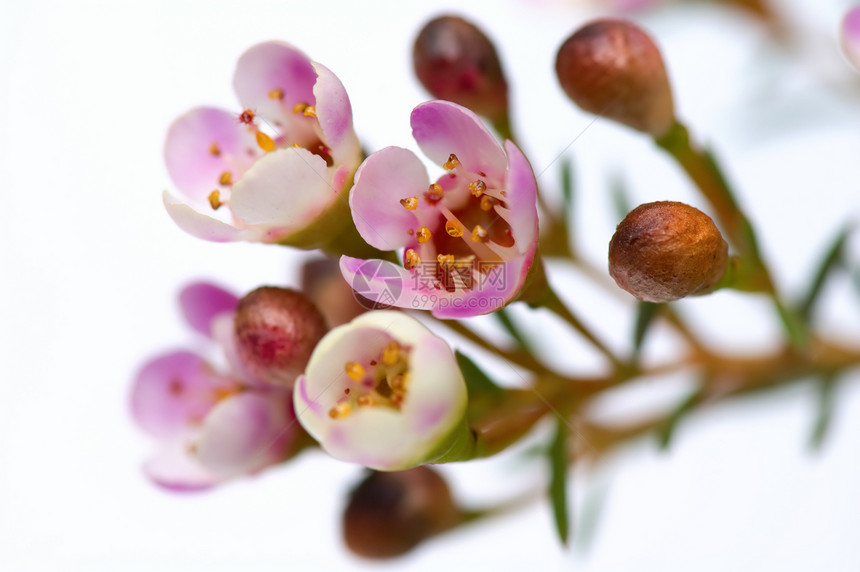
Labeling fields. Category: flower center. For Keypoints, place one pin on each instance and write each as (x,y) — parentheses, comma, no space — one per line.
(470,237)
(379,382)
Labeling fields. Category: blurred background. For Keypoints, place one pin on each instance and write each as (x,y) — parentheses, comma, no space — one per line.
(90,265)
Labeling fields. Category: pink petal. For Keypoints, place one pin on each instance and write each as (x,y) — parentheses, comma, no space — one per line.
(244,433)
(381,182)
(442,128)
(201,302)
(388,284)
(851,36)
(174,392)
(188,151)
(288,189)
(521,200)
(496,289)
(224,334)
(335,117)
(174,469)
(206,227)
(269,67)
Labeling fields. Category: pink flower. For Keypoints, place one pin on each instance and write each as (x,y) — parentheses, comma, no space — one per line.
(385,392)
(851,36)
(279,170)
(469,238)
(211,426)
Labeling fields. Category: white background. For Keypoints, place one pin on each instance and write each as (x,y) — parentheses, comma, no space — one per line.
(90,264)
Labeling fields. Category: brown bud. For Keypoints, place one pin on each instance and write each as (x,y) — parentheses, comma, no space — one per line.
(455,61)
(276,331)
(323,283)
(664,251)
(388,514)
(612,68)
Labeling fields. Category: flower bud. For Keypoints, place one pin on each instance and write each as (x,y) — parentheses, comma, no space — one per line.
(390,513)
(324,285)
(612,68)
(666,250)
(276,331)
(455,61)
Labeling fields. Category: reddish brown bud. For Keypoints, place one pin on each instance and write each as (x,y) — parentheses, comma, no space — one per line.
(612,68)
(664,251)
(455,61)
(388,514)
(276,331)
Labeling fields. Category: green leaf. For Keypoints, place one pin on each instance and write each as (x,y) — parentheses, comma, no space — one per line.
(826,397)
(620,197)
(833,259)
(504,319)
(567,186)
(558,458)
(645,314)
(667,431)
(477,382)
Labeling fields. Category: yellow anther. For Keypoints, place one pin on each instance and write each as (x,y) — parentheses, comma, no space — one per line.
(434,193)
(478,234)
(265,142)
(276,94)
(365,400)
(391,354)
(477,188)
(214,149)
(452,163)
(310,111)
(300,107)
(423,235)
(445,259)
(226,178)
(487,203)
(409,203)
(215,199)
(453,229)
(397,384)
(341,410)
(411,260)
(354,370)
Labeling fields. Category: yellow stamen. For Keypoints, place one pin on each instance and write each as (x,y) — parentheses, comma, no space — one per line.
(486,203)
(300,107)
(397,384)
(265,142)
(215,199)
(478,234)
(354,370)
(477,188)
(391,354)
(452,163)
(409,203)
(340,410)
(214,149)
(423,235)
(445,259)
(411,259)
(310,111)
(226,178)
(453,229)
(434,193)
(365,401)
(276,94)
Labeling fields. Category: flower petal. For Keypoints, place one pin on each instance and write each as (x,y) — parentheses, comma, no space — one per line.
(206,227)
(287,188)
(385,178)
(173,392)
(335,117)
(851,36)
(202,302)
(387,284)
(244,434)
(521,212)
(273,67)
(442,128)
(174,469)
(202,145)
